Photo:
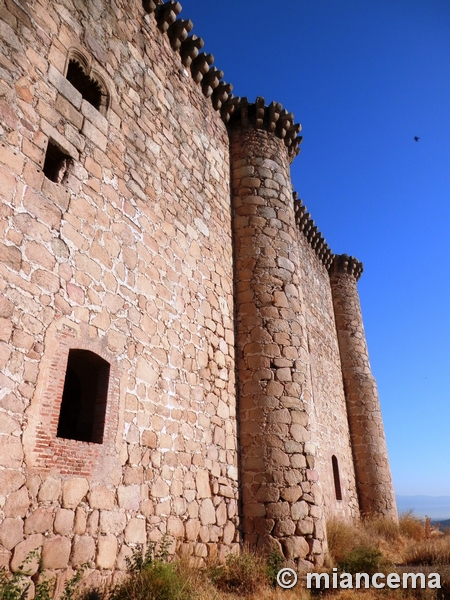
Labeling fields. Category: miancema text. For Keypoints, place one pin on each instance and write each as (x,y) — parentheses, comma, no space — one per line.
(377,580)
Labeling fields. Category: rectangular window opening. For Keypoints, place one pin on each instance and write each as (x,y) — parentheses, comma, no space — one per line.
(83,406)
(56,163)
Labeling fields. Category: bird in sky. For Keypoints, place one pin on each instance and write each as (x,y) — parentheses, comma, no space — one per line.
(416,139)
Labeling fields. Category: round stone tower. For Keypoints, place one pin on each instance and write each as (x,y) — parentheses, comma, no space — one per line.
(373,475)
(281,498)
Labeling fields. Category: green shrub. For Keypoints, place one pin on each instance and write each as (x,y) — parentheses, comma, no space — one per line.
(13,587)
(362,559)
(151,577)
(243,573)
(274,563)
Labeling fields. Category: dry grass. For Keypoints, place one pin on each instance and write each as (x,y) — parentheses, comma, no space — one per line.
(411,542)
(411,527)
(435,551)
(375,544)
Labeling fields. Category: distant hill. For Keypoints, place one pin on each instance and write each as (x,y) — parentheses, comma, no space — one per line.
(442,524)
(436,507)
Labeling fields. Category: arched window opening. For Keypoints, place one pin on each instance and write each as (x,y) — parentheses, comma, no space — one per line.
(92,90)
(83,405)
(337,479)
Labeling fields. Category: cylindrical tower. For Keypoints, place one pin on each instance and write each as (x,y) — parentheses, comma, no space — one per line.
(373,475)
(280,493)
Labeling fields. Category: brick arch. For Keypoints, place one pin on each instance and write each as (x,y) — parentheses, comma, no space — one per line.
(44,448)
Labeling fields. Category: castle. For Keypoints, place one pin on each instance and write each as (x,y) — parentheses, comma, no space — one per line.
(180,350)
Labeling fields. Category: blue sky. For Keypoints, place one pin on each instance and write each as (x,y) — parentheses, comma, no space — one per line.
(364,77)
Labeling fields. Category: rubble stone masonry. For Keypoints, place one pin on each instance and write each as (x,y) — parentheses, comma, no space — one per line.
(373,474)
(132,268)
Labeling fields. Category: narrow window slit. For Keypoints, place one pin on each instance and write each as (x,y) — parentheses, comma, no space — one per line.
(336,477)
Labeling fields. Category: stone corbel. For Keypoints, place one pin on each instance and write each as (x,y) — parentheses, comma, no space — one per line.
(200,66)
(274,110)
(166,14)
(210,81)
(229,107)
(179,31)
(260,106)
(221,94)
(189,49)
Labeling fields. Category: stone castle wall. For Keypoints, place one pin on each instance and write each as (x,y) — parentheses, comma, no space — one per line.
(280,495)
(329,420)
(129,257)
(141,261)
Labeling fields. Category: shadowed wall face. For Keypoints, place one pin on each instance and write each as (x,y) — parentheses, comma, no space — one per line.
(327,412)
(373,475)
(277,458)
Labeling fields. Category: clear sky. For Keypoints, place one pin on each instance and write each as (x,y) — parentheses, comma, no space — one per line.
(364,77)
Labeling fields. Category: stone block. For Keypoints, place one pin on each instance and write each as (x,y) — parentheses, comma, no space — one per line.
(24,550)
(135,531)
(283,528)
(160,489)
(113,522)
(42,208)
(93,522)
(129,496)
(228,533)
(221,514)
(11,257)
(64,86)
(175,527)
(94,116)
(83,550)
(305,526)
(11,532)
(149,439)
(295,547)
(291,494)
(124,553)
(79,525)
(192,530)
(74,490)
(203,485)
(55,553)
(68,111)
(64,521)
(299,510)
(101,497)
(40,521)
(17,503)
(5,557)
(107,551)
(10,481)
(207,512)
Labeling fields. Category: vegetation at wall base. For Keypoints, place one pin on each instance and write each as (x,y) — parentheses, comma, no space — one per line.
(373,545)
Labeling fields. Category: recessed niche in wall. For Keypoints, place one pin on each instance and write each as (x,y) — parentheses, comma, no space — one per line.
(56,162)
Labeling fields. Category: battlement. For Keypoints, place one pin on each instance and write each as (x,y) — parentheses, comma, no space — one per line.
(306,225)
(342,263)
(272,117)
